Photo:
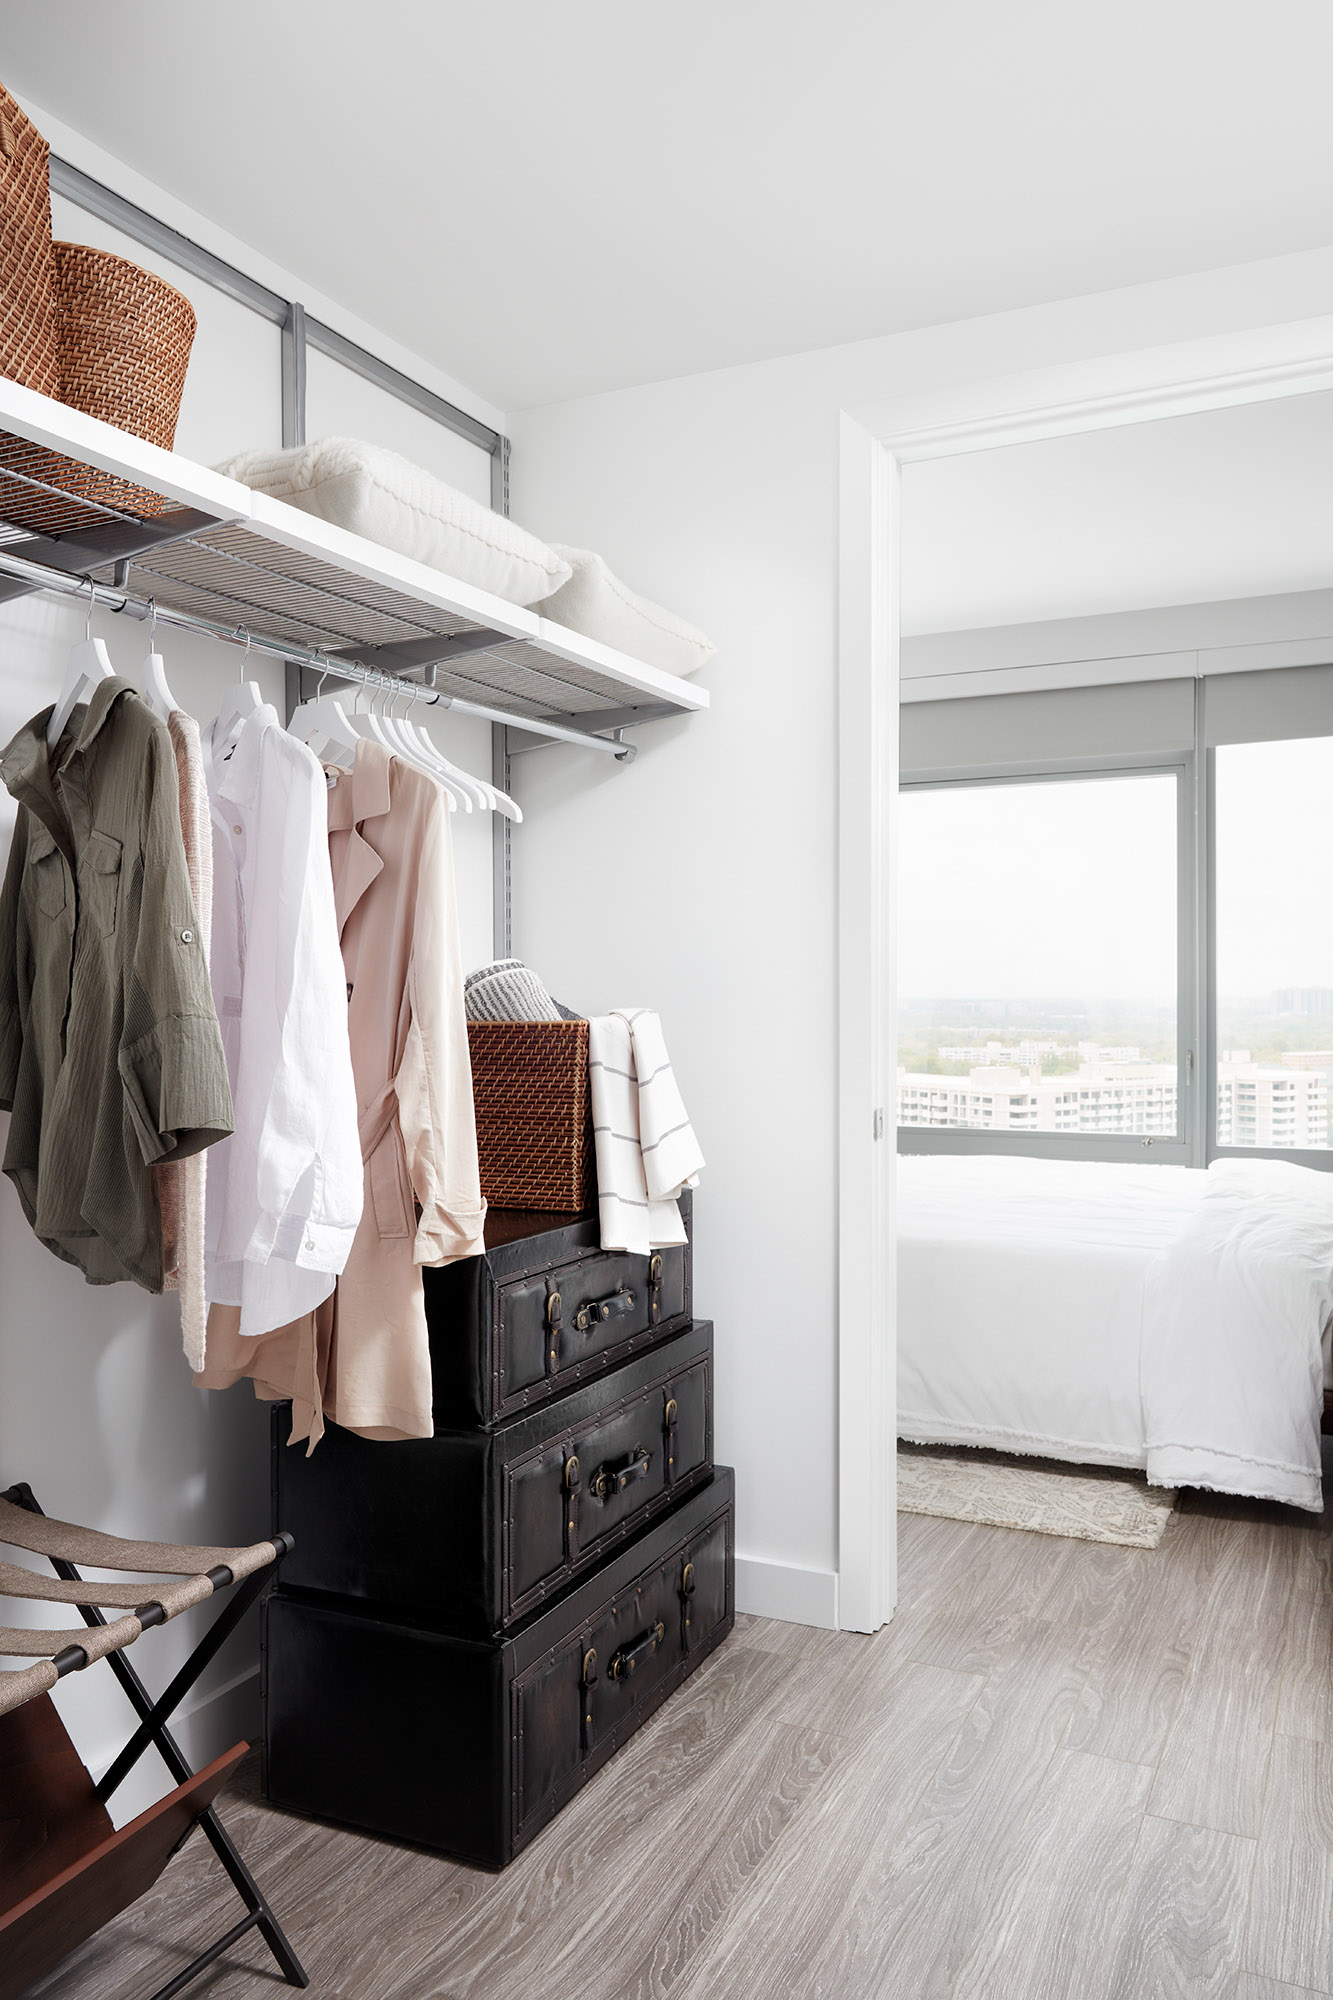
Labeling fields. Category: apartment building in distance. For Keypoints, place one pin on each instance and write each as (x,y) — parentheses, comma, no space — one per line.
(1130,1098)
(1282,1106)
(1273,1104)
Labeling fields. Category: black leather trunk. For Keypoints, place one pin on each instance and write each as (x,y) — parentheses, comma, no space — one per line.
(545,1309)
(472,1530)
(471,1746)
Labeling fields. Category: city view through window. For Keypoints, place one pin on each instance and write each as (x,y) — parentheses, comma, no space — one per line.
(1038,950)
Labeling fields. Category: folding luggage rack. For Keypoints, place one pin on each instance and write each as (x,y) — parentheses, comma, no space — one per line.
(65,1871)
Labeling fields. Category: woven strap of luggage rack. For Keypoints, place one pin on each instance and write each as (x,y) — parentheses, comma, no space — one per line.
(198,1571)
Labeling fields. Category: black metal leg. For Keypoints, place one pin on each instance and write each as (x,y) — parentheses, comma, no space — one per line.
(219,1631)
(260,1915)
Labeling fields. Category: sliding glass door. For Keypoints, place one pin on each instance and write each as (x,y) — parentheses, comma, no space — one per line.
(1044,990)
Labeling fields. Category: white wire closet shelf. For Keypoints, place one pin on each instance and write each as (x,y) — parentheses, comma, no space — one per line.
(80,498)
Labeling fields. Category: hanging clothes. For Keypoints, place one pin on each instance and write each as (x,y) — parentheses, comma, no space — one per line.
(284,1192)
(110,1056)
(180,1183)
(363,1358)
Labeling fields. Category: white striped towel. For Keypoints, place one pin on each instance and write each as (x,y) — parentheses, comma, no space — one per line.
(646,1148)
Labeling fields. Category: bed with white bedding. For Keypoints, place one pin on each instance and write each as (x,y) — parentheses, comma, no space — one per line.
(1168,1318)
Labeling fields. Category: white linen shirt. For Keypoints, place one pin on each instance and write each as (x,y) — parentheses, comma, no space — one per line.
(284,1192)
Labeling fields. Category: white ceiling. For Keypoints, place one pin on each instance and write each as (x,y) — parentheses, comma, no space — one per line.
(1235,503)
(548,200)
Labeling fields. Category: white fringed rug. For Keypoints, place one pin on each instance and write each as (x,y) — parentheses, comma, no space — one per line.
(1090,1504)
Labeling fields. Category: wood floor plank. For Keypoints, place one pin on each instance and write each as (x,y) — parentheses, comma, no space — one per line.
(920,1899)
(1049,1923)
(779,1635)
(1290,1934)
(791,1904)
(601,1900)
(663,1920)
(1250,1988)
(1134,1689)
(1180,1924)
(844,1677)
(1305,1705)
(1009,1580)
(1214,1763)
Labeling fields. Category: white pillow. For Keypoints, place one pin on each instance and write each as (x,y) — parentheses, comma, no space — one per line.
(375,493)
(596,603)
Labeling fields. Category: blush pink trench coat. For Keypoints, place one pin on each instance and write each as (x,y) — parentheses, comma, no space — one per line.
(363,1358)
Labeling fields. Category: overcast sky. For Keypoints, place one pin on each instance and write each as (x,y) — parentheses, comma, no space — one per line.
(1274,851)
(1059,889)
(1068,890)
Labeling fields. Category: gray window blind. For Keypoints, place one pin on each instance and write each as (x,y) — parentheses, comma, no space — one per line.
(1267,707)
(1137,718)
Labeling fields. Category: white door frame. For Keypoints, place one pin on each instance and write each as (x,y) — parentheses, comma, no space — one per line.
(1257,365)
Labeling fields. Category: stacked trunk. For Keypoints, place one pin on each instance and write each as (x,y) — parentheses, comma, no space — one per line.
(472,1623)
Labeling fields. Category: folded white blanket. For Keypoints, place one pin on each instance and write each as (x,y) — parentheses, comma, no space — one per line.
(1232,1371)
(646,1148)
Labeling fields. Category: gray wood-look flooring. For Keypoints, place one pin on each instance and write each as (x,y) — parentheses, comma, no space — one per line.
(1064,1770)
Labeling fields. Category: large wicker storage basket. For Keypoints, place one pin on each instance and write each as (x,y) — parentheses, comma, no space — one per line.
(534,1120)
(125,343)
(28,348)
(125,338)
(92,329)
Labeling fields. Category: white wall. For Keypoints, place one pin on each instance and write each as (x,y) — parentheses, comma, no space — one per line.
(97,1409)
(1223,504)
(705,873)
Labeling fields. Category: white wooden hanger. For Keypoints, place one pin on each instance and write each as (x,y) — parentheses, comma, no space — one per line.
(243,700)
(89,663)
(489,797)
(153,681)
(369,724)
(415,744)
(325,723)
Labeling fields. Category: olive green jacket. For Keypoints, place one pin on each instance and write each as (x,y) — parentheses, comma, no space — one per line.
(110,1056)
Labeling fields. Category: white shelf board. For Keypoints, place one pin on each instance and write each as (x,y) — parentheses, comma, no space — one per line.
(283,572)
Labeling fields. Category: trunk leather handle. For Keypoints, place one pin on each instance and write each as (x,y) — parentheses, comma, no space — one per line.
(616,1474)
(572,1481)
(628,1658)
(588,1681)
(598,1310)
(687,1588)
(554,1317)
(669,1415)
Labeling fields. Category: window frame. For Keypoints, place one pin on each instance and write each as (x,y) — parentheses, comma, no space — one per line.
(1195,1143)
(1160,1150)
(1320,1158)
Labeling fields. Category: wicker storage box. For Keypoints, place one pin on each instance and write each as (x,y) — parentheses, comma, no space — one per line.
(534,1119)
(92,329)
(29,352)
(125,337)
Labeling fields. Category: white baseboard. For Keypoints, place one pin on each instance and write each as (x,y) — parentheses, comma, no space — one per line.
(216,1719)
(780,1590)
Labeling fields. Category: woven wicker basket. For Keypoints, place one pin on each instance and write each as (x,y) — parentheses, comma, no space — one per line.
(534,1120)
(125,338)
(123,343)
(29,352)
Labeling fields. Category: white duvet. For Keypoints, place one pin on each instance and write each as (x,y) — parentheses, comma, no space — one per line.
(1160,1317)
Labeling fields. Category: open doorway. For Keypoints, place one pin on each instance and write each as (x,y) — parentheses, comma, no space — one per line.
(1083,664)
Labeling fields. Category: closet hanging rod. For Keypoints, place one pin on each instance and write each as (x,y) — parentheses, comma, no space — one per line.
(115,599)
